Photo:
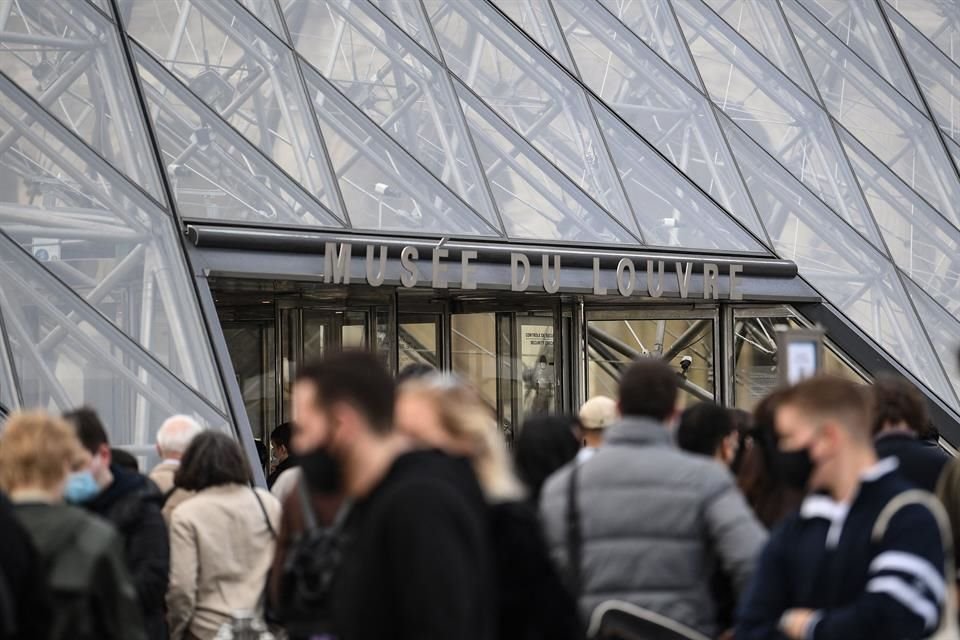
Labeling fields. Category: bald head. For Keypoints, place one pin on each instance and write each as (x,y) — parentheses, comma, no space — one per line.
(175,435)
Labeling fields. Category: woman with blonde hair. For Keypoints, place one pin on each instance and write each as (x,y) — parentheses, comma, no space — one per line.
(443,412)
(91,594)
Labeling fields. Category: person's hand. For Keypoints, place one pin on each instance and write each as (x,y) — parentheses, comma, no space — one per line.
(726,635)
(794,623)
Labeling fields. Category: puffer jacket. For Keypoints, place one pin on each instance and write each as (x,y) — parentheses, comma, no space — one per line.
(132,504)
(655,521)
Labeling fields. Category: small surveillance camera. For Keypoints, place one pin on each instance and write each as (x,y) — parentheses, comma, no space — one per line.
(685,362)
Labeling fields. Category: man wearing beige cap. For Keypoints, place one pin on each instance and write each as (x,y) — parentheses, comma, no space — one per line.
(596,414)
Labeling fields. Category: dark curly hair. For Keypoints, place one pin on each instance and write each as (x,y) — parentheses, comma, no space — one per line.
(212,459)
(896,401)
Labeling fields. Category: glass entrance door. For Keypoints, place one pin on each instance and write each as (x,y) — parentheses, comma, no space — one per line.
(515,359)
(686,339)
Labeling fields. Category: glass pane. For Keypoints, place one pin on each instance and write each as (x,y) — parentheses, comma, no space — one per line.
(921,241)
(215,173)
(410,97)
(882,119)
(939,21)
(529,92)
(410,17)
(353,332)
(67,56)
(536,19)
(537,366)
(419,340)
(268,13)
(685,343)
(473,349)
(382,187)
(944,331)
(245,74)
(653,22)
(66,356)
(859,24)
(775,112)
(672,212)
(317,329)
(535,200)
(650,96)
(937,75)
(762,23)
(755,359)
(847,271)
(103,238)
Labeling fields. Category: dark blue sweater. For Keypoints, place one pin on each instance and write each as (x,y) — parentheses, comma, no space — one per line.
(823,559)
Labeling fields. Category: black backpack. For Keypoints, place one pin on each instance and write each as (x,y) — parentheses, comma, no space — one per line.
(311,564)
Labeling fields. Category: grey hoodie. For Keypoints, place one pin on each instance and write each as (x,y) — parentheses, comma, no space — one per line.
(655,521)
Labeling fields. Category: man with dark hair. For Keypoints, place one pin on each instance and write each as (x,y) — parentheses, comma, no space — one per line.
(652,521)
(900,428)
(706,429)
(419,558)
(132,503)
(280,441)
(864,556)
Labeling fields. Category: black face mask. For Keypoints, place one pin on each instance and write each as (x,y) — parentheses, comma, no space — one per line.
(322,471)
(795,468)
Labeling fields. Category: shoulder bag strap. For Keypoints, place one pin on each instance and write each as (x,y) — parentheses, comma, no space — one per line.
(948,621)
(574,534)
(266,516)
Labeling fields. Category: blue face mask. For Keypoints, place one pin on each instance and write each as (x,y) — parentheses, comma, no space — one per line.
(81,487)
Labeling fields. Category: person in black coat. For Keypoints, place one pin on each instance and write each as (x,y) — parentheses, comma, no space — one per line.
(24,600)
(133,504)
(280,440)
(901,431)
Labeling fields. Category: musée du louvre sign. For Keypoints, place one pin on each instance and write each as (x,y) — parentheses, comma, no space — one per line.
(435,268)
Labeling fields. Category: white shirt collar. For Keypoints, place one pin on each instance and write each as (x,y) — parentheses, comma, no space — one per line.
(171,461)
(880,469)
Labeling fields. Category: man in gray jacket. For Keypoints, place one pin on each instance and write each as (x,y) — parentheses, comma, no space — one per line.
(654,523)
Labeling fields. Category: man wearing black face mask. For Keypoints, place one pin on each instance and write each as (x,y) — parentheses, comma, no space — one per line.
(831,571)
(416,549)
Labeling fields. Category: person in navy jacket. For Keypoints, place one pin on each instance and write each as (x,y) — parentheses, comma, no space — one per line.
(823,575)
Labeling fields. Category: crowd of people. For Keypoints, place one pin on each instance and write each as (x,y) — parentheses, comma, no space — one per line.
(396,509)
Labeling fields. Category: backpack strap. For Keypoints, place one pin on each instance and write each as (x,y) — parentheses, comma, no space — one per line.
(948,620)
(266,516)
(574,534)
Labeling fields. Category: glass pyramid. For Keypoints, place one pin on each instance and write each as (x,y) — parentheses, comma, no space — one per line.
(822,131)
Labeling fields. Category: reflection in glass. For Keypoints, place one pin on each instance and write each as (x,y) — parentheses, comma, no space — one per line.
(419,340)
(67,56)
(663,108)
(860,26)
(108,242)
(214,172)
(921,241)
(837,261)
(672,212)
(774,112)
(881,118)
(944,331)
(382,187)
(653,22)
(755,358)
(245,74)
(253,353)
(473,352)
(685,343)
(535,200)
(935,72)
(411,101)
(529,92)
(66,355)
